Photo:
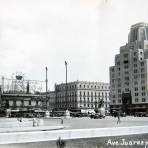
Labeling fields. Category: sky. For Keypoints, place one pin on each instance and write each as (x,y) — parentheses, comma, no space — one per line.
(86,33)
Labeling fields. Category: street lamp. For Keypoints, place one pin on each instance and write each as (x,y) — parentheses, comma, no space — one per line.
(46,86)
(66,86)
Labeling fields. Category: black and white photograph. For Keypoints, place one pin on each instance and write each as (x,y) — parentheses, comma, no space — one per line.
(73,74)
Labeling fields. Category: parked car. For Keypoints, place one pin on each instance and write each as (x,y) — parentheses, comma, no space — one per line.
(146,115)
(139,114)
(96,116)
(123,114)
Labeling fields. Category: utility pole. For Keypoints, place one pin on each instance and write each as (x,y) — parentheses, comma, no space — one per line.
(66,100)
(46,86)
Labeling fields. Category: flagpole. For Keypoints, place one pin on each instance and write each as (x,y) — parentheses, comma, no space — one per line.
(46,86)
(66,87)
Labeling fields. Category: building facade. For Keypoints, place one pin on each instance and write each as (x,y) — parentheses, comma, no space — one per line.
(81,95)
(129,75)
(51,100)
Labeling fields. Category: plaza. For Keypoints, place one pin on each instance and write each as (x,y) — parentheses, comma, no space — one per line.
(72,126)
(86,122)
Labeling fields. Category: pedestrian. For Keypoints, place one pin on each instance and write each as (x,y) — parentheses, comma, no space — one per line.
(34,122)
(61,121)
(118,120)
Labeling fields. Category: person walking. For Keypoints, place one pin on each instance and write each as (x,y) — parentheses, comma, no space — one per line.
(118,120)
(61,121)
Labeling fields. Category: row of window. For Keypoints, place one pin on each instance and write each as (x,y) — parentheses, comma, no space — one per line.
(93,94)
(142,88)
(137,100)
(81,86)
(99,87)
(24,103)
(143,94)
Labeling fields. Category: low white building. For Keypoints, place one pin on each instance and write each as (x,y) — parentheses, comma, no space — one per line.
(82,95)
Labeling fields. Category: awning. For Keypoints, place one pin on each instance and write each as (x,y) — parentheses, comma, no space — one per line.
(15,110)
(137,107)
(39,111)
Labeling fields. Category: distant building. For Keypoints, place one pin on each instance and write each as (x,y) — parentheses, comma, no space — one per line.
(51,100)
(129,76)
(81,95)
(18,94)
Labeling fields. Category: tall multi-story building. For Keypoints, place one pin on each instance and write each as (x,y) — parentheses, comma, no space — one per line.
(81,95)
(129,76)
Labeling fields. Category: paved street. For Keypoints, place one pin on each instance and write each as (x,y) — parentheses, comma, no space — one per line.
(82,123)
(77,123)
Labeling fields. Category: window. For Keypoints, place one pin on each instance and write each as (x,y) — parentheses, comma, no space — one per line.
(142,69)
(119,95)
(136,94)
(143,87)
(126,72)
(118,63)
(84,93)
(136,99)
(135,70)
(114,101)
(126,66)
(136,88)
(142,75)
(125,62)
(126,89)
(125,55)
(143,93)
(126,83)
(29,102)
(126,78)
(135,82)
(135,65)
(98,94)
(119,84)
(135,76)
(135,59)
(112,69)
(142,63)
(119,101)
(80,93)
(143,100)
(119,90)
